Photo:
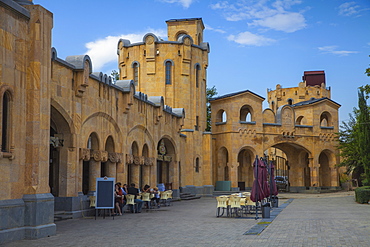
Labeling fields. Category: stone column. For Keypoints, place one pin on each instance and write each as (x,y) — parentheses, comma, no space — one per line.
(315,173)
(233,174)
(174,175)
(94,169)
(111,169)
(135,171)
(334,176)
(146,172)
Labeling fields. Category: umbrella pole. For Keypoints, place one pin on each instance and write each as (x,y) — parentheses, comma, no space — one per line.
(269,169)
(256,167)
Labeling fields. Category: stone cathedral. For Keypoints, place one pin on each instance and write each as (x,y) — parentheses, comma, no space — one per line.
(63,125)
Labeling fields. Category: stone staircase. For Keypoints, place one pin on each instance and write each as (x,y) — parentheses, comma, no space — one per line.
(188,196)
(62,215)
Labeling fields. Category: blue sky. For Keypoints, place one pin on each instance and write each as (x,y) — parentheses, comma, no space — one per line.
(255,44)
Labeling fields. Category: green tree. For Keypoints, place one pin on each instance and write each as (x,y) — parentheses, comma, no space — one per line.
(363,135)
(367,72)
(115,75)
(211,92)
(354,137)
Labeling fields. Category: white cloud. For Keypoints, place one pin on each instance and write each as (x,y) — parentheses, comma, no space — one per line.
(104,51)
(270,14)
(248,38)
(185,3)
(214,29)
(333,50)
(348,9)
(288,22)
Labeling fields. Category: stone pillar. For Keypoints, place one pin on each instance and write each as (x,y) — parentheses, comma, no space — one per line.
(334,176)
(111,169)
(315,175)
(94,169)
(174,175)
(39,215)
(146,177)
(135,171)
(84,155)
(233,174)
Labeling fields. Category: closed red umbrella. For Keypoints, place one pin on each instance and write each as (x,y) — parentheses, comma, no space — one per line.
(264,179)
(257,193)
(273,189)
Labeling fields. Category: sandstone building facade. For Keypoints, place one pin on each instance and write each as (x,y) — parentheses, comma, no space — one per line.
(63,125)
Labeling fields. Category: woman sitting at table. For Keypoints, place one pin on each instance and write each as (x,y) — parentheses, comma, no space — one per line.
(118,199)
(146,188)
(157,196)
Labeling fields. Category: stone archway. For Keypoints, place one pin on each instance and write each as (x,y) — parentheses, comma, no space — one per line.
(145,168)
(327,171)
(292,162)
(109,167)
(60,139)
(222,170)
(166,160)
(245,169)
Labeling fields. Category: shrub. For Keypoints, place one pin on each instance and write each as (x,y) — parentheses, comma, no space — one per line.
(362,194)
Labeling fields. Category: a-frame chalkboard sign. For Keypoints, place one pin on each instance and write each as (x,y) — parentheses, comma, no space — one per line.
(104,194)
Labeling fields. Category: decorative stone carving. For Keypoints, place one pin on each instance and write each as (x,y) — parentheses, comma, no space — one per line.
(85,154)
(136,160)
(104,156)
(167,158)
(115,157)
(149,161)
(142,160)
(96,155)
(129,159)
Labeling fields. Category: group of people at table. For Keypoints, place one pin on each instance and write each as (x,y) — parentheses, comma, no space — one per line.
(121,196)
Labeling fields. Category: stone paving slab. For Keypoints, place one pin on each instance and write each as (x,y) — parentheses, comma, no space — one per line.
(311,221)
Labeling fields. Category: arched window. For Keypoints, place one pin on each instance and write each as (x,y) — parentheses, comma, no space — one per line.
(168,66)
(197,75)
(221,116)
(325,119)
(299,120)
(290,101)
(135,67)
(246,113)
(5,121)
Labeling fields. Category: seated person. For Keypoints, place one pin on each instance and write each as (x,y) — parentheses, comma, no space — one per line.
(124,192)
(118,199)
(157,196)
(134,191)
(146,188)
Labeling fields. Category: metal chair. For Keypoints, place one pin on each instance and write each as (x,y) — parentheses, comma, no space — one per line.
(249,204)
(130,201)
(221,204)
(235,207)
(164,197)
(92,201)
(145,197)
(169,197)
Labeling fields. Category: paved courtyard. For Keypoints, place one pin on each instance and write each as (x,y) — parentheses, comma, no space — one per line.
(306,220)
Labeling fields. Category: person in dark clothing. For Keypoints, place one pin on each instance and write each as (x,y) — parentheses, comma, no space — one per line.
(134,191)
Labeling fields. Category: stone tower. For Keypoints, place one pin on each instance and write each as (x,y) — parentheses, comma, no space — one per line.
(313,86)
(175,69)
